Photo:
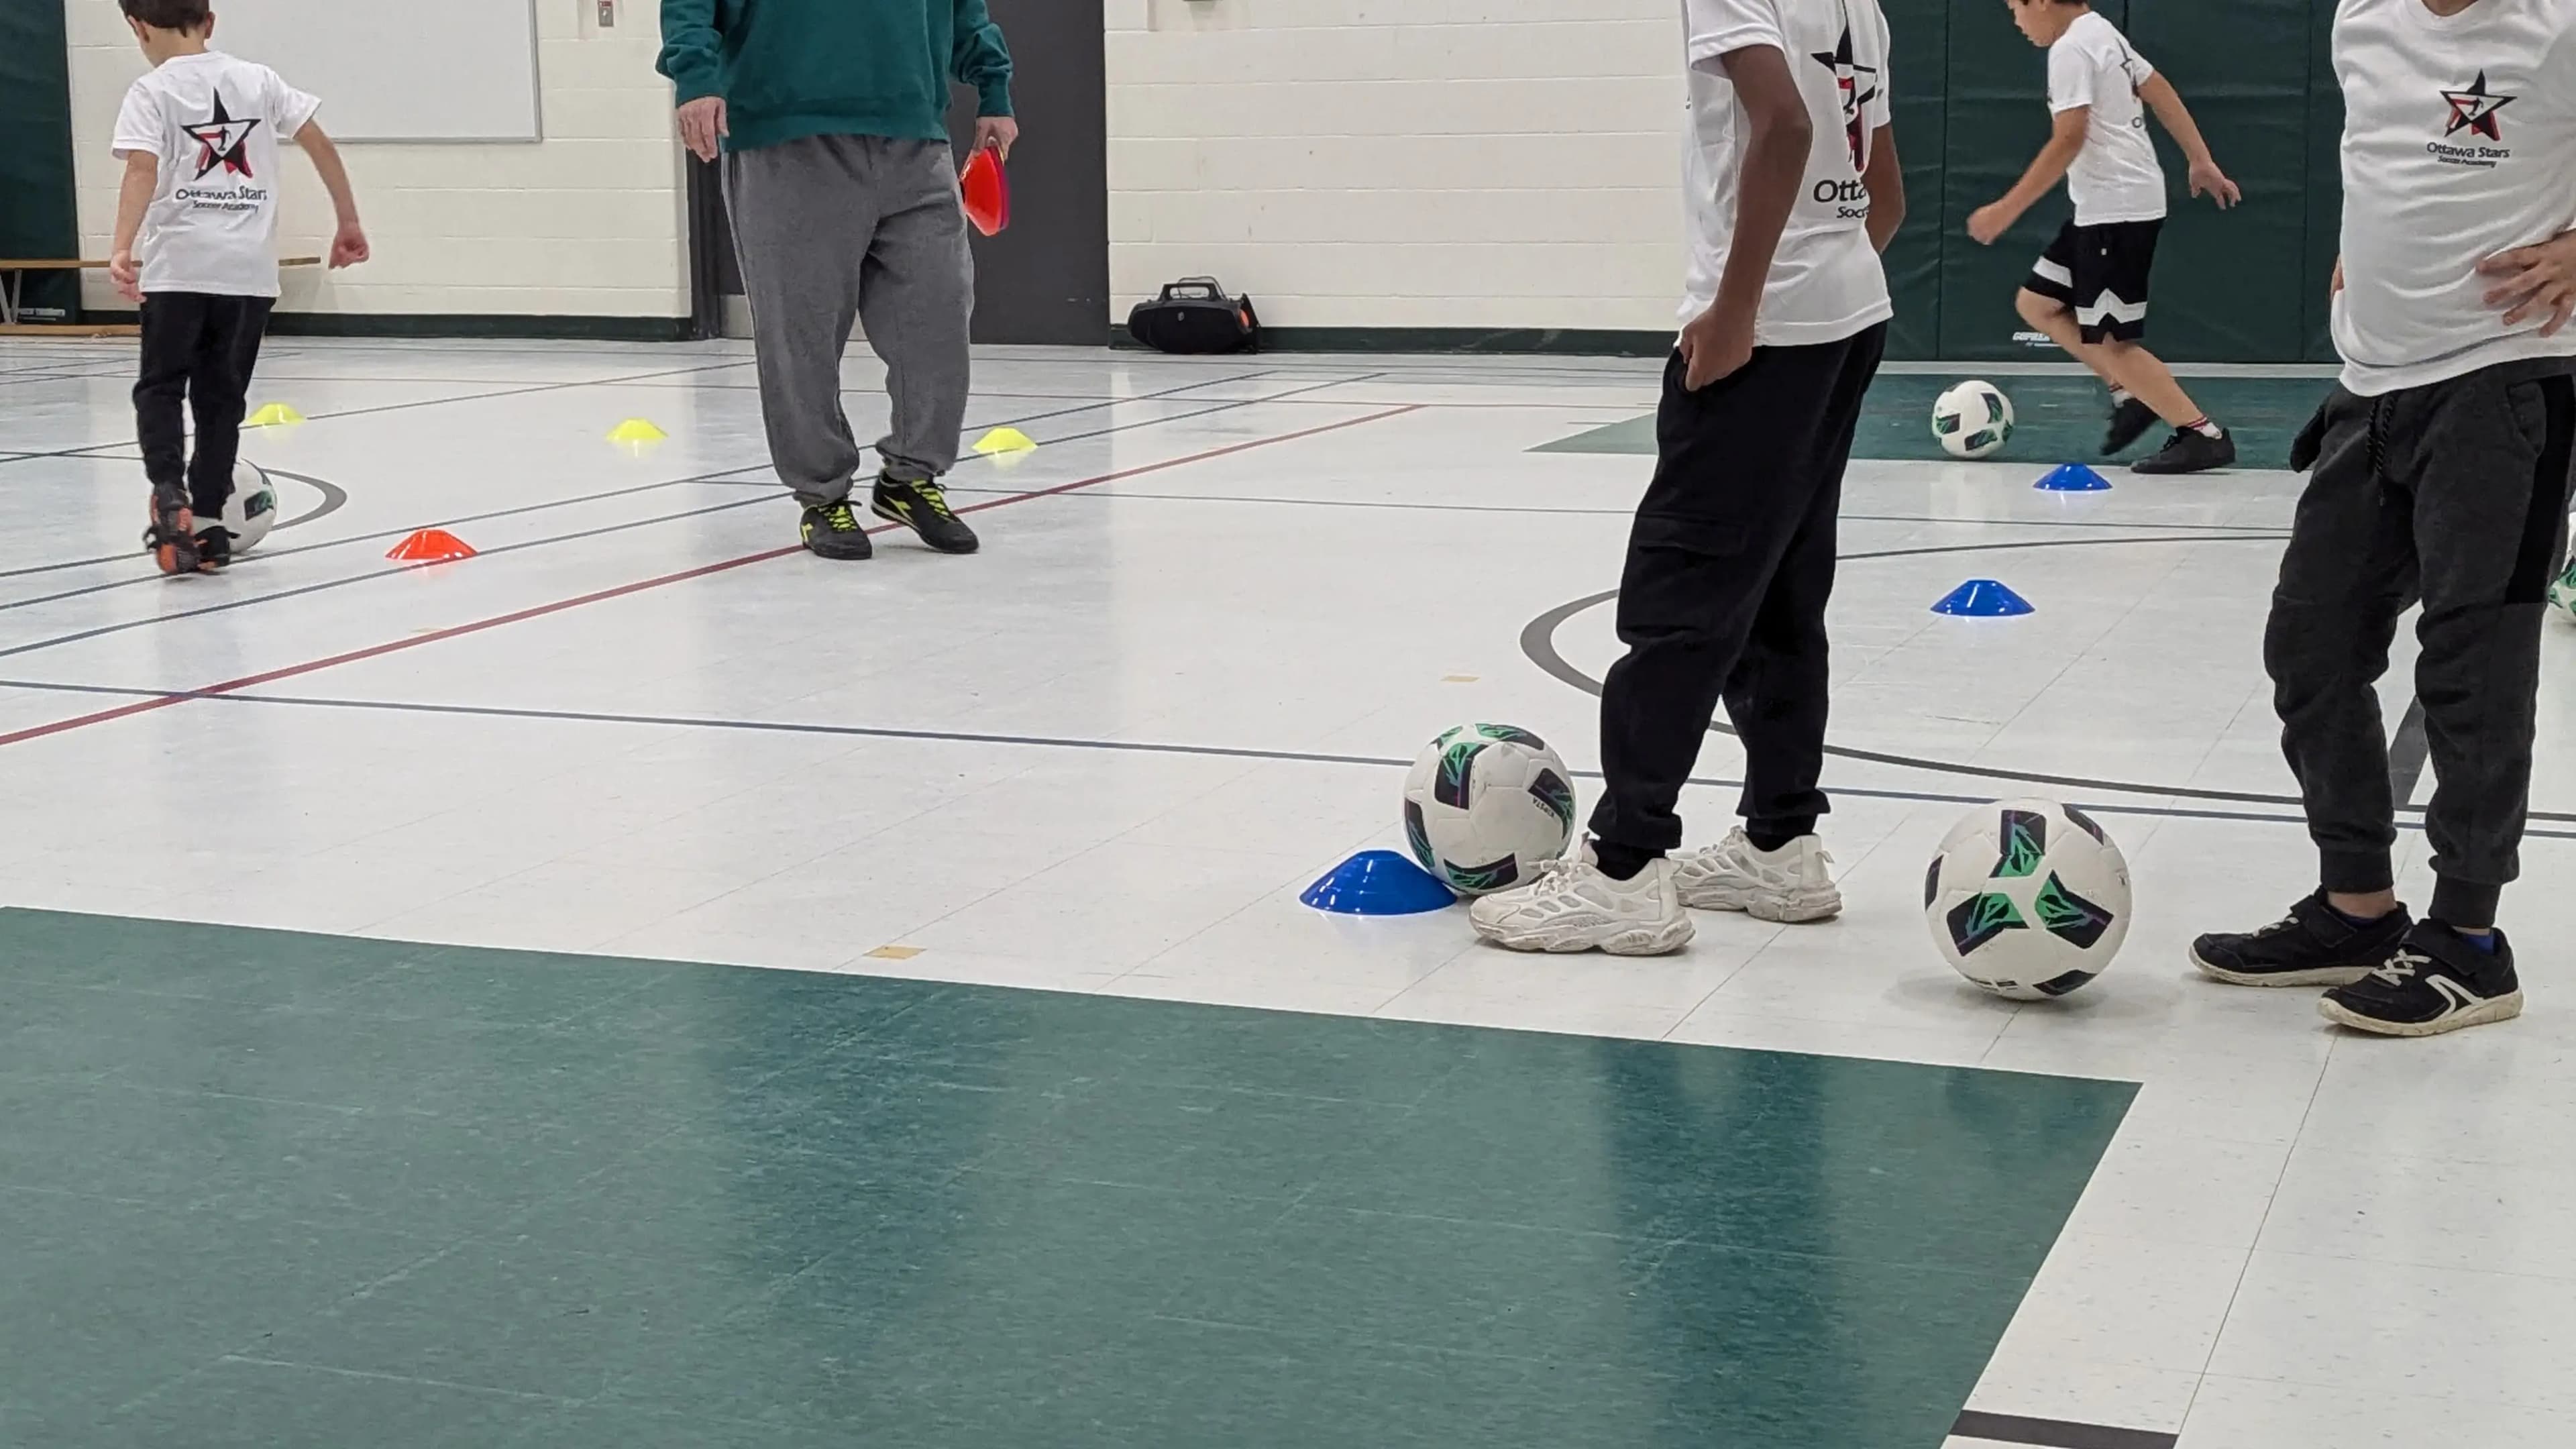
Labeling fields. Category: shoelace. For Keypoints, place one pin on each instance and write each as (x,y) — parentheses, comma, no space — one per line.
(2401,966)
(934,498)
(839,518)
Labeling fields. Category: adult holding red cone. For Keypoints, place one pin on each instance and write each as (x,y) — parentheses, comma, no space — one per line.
(830,119)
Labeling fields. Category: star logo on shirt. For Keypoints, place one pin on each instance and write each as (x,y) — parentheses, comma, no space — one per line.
(222,141)
(2474,110)
(1859,86)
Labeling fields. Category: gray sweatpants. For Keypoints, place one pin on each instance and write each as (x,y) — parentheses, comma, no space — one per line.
(832,230)
(2455,495)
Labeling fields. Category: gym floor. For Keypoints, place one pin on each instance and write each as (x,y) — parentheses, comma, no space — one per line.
(645,986)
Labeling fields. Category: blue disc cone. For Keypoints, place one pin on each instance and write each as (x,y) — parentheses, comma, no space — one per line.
(1983,599)
(1378,883)
(2073,478)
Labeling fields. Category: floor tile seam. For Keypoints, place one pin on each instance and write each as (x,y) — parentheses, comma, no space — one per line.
(1627,1367)
(2452,1269)
(379,1374)
(2382,1387)
(2236,1290)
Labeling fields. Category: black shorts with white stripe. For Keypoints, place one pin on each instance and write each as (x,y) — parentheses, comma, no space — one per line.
(2101,272)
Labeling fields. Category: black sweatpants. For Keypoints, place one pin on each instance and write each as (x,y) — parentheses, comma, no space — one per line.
(2455,495)
(200,349)
(1730,566)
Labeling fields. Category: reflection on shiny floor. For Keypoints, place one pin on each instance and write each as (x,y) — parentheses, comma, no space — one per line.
(1216,604)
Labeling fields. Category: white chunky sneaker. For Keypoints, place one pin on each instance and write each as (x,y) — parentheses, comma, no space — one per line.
(1792,885)
(1572,906)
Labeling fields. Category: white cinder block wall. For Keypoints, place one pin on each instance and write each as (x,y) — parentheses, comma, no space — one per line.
(588,222)
(1402,163)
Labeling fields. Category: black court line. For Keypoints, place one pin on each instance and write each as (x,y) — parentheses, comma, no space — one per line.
(1538,642)
(1051,742)
(333,490)
(2407,753)
(403,407)
(2218,532)
(2056,1433)
(381,573)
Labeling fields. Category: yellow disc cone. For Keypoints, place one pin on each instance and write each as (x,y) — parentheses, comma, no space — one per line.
(636,430)
(275,415)
(1005,440)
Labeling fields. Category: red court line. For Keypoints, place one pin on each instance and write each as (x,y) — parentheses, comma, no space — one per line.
(378,651)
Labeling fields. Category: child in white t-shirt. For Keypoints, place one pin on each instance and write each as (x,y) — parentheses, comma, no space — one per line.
(199,138)
(2088,291)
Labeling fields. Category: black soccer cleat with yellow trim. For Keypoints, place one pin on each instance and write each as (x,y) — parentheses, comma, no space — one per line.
(922,507)
(833,531)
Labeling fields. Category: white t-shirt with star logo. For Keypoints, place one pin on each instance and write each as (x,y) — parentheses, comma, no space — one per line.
(2116,177)
(1826,282)
(216,124)
(2459,142)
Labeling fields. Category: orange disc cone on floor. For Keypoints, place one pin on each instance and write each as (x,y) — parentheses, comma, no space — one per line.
(431,545)
(987,190)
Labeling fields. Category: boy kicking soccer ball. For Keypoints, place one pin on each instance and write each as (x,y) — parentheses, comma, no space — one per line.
(199,139)
(2441,470)
(2088,291)
(1795,190)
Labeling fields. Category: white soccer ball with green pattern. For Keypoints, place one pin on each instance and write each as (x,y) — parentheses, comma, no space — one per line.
(1485,806)
(2028,899)
(1973,420)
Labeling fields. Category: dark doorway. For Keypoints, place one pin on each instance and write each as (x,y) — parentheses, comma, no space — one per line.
(1046,279)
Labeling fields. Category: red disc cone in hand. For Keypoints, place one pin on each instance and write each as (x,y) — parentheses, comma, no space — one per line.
(988,192)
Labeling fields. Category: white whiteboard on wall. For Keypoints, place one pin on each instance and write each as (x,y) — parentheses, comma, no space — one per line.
(399,70)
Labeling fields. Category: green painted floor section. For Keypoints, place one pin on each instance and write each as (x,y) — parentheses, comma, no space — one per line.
(2057,420)
(281,1190)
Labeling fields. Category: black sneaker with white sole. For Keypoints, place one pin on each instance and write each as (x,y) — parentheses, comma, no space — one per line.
(923,507)
(2129,422)
(2314,945)
(2190,450)
(833,531)
(2434,982)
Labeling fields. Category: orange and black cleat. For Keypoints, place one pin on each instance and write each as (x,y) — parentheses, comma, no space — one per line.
(172,538)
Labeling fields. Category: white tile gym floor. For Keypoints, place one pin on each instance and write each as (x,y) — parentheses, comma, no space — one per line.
(1220,607)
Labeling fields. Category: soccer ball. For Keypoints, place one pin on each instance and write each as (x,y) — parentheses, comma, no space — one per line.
(1485,805)
(252,510)
(1973,420)
(2028,898)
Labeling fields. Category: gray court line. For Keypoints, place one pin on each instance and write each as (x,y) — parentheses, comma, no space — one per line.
(406,406)
(343,582)
(2407,754)
(2219,532)
(1538,642)
(2056,1433)
(342,496)
(334,498)
(1056,742)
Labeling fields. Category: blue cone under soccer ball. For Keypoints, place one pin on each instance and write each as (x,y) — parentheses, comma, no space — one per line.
(1973,420)
(1485,806)
(2028,899)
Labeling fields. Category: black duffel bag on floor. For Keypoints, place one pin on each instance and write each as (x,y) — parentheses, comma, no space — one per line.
(1195,315)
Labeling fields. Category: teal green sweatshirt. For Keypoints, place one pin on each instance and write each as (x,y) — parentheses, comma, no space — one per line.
(792,68)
